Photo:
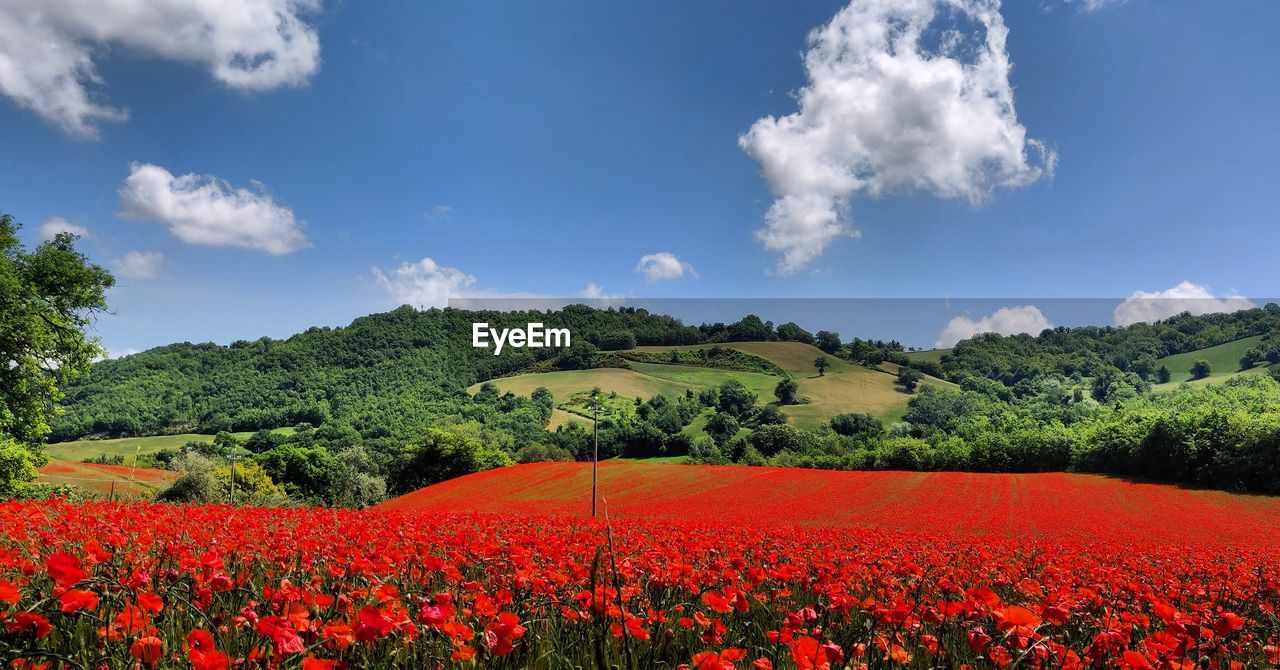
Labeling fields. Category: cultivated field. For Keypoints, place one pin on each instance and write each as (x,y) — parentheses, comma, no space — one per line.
(122,481)
(700,567)
(1047,504)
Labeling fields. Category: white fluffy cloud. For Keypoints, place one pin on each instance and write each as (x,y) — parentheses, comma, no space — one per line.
(47,48)
(54,225)
(598,297)
(663,265)
(1150,306)
(139,264)
(202,209)
(1006,321)
(424,284)
(902,95)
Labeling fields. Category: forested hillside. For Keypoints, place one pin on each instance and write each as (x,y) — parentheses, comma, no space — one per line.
(382,404)
(380,374)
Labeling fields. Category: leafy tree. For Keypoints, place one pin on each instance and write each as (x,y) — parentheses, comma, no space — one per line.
(770,415)
(308,473)
(580,356)
(792,332)
(722,427)
(786,391)
(619,340)
(205,481)
(857,425)
(47,298)
(1251,358)
(909,378)
(828,341)
(735,399)
(545,402)
(1163,375)
(15,467)
(263,440)
(439,455)
(821,363)
(1200,369)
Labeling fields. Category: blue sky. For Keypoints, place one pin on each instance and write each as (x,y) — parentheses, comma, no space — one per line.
(543,148)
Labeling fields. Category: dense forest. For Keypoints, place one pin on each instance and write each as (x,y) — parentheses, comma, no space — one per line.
(382,408)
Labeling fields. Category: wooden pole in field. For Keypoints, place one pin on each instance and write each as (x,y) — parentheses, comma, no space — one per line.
(595,454)
(232,460)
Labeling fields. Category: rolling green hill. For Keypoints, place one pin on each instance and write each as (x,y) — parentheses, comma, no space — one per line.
(1224,361)
(845,387)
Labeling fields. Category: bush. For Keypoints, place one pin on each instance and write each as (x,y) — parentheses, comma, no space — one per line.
(538,453)
(863,426)
(722,427)
(786,391)
(16,469)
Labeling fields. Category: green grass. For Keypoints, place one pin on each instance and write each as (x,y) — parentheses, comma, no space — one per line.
(1224,363)
(565,383)
(846,387)
(131,446)
(932,355)
(654,459)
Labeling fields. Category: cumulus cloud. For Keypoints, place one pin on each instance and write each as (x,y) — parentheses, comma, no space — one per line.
(202,209)
(598,297)
(139,264)
(1151,306)
(663,265)
(48,47)
(1006,321)
(424,283)
(902,95)
(54,225)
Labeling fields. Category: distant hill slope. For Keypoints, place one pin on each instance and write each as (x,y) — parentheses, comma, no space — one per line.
(845,387)
(931,355)
(1052,503)
(130,447)
(1223,359)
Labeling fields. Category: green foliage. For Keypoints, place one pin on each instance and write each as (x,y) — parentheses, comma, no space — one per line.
(735,400)
(722,427)
(791,332)
(617,340)
(47,298)
(203,480)
(909,379)
(722,358)
(862,426)
(442,454)
(786,391)
(16,468)
(1082,352)
(827,341)
(821,363)
(1200,369)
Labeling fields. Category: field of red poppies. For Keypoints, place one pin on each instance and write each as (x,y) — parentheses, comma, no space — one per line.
(1039,571)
